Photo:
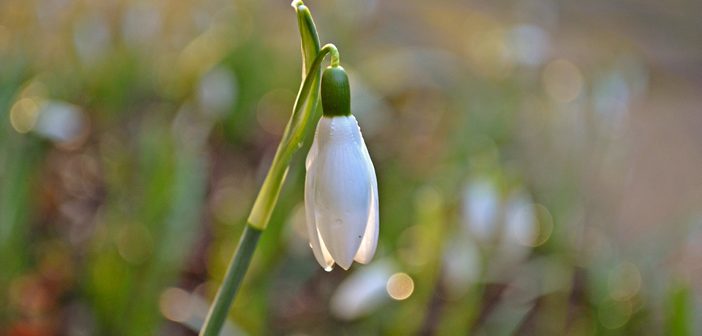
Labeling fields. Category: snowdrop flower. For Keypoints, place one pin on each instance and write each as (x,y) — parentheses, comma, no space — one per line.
(341,190)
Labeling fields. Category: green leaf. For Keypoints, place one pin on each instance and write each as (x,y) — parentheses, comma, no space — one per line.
(308,35)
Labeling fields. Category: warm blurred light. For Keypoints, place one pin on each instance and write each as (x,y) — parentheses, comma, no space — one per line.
(23,115)
(562,80)
(175,304)
(400,286)
(624,282)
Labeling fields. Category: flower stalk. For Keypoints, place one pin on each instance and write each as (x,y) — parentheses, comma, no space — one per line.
(305,106)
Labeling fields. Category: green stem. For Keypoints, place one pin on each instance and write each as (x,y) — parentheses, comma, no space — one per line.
(335,59)
(305,105)
(235,273)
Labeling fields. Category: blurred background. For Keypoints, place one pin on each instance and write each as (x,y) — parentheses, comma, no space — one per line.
(539,166)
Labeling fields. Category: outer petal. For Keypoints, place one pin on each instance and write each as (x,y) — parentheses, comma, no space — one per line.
(370,238)
(318,248)
(312,154)
(342,200)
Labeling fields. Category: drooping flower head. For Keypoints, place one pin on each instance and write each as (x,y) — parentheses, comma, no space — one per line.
(341,190)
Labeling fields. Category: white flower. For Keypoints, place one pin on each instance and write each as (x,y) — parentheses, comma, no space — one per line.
(341,194)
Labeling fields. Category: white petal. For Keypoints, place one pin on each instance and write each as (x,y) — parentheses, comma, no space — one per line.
(370,238)
(329,262)
(318,248)
(342,200)
(312,154)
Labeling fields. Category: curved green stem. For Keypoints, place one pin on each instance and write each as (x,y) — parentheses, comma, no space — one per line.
(303,110)
(267,198)
(291,141)
(335,59)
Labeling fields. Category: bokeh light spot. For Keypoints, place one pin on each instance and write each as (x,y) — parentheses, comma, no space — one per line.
(23,115)
(175,304)
(400,286)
